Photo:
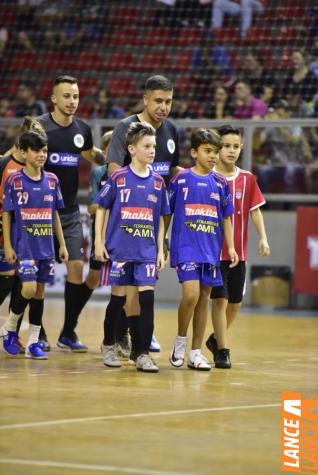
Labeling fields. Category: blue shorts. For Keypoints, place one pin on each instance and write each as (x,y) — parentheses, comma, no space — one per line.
(207,274)
(36,270)
(129,273)
(4,264)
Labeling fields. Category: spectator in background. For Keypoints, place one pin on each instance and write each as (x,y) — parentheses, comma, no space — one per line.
(210,56)
(221,107)
(244,8)
(247,105)
(27,103)
(300,81)
(105,108)
(257,75)
(6,109)
(3,39)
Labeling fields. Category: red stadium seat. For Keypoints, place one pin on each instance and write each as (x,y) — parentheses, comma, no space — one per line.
(120,61)
(22,61)
(45,89)
(226,35)
(90,61)
(126,16)
(182,62)
(85,110)
(189,36)
(153,61)
(125,36)
(121,86)
(257,34)
(55,61)
(157,36)
(290,12)
(88,86)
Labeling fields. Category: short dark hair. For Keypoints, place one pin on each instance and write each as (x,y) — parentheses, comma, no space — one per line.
(64,78)
(32,140)
(158,82)
(205,136)
(228,129)
(137,130)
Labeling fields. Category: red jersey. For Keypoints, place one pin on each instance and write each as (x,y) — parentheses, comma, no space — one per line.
(246,197)
(8,165)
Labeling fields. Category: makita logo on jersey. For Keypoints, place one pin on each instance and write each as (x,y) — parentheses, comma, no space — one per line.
(63,159)
(201,210)
(36,214)
(144,214)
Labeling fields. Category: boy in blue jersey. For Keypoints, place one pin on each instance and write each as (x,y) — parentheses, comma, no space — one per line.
(137,200)
(30,203)
(201,203)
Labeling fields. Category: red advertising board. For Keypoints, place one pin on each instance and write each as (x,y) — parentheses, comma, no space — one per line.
(306,258)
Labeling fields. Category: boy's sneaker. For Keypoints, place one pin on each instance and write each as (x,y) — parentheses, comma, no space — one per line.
(154,345)
(111,357)
(222,359)
(177,354)
(145,363)
(44,344)
(198,362)
(21,346)
(10,343)
(35,351)
(71,344)
(123,347)
(212,345)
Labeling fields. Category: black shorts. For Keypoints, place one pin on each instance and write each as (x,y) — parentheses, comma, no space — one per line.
(73,235)
(233,282)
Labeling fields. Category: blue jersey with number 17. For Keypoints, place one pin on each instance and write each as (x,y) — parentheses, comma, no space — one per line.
(199,204)
(136,204)
(32,204)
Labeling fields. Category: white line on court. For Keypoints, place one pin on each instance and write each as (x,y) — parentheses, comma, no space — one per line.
(136,415)
(84,466)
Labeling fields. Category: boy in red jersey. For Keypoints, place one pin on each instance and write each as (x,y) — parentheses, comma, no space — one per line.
(247,200)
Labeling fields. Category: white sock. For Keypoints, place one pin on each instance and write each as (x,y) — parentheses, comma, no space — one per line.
(34,334)
(193,353)
(182,338)
(12,321)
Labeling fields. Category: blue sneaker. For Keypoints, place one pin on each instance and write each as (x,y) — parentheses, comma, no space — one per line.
(10,343)
(72,344)
(35,351)
(45,345)
(154,345)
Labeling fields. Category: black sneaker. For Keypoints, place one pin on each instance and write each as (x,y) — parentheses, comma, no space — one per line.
(222,359)
(212,345)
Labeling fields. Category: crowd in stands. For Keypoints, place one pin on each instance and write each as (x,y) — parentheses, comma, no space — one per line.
(228,59)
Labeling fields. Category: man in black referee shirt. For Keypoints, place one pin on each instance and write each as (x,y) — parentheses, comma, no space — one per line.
(157,99)
(69,139)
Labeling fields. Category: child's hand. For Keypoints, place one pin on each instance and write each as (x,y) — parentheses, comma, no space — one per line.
(101,253)
(263,248)
(63,254)
(161,261)
(10,254)
(234,257)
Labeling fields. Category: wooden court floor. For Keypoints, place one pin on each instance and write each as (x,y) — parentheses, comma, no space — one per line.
(72,415)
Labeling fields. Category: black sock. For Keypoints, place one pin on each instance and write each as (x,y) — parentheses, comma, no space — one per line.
(84,295)
(122,326)
(134,331)
(113,311)
(19,304)
(36,311)
(6,285)
(146,302)
(15,292)
(71,296)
